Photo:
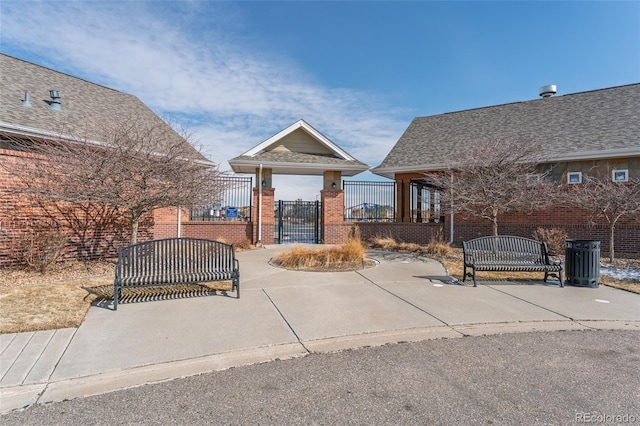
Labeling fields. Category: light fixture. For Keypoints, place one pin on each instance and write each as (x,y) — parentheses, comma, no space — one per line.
(333,185)
(264,182)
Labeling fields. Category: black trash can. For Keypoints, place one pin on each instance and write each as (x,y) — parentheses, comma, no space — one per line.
(582,263)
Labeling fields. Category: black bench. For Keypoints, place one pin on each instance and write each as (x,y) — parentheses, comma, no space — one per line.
(503,253)
(175,261)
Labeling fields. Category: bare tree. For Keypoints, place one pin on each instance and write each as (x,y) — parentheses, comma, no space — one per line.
(609,200)
(135,168)
(494,177)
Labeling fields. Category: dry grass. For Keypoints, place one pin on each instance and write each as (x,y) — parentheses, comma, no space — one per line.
(61,297)
(384,243)
(435,248)
(45,303)
(628,285)
(438,248)
(349,256)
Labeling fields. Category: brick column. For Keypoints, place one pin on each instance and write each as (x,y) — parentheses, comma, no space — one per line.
(268,219)
(334,230)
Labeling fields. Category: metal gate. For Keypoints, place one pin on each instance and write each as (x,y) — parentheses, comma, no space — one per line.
(297,222)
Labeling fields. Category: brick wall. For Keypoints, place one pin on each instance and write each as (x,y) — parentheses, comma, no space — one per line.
(577,224)
(229,232)
(336,233)
(165,222)
(21,218)
(419,233)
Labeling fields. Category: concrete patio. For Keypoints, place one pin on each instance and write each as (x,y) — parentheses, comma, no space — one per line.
(284,314)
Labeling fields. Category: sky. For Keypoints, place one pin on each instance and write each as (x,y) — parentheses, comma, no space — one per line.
(236,73)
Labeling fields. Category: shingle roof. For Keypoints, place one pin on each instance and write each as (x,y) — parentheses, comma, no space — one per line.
(596,124)
(300,157)
(86,107)
(298,150)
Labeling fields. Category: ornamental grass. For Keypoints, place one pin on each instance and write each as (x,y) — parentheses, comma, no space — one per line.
(350,254)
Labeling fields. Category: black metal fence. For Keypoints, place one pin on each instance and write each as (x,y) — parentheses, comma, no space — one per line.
(369,201)
(235,201)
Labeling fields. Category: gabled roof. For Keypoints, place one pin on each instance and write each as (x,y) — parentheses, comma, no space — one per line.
(298,150)
(597,124)
(86,108)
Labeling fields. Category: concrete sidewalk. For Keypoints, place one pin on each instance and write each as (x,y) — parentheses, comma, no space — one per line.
(285,314)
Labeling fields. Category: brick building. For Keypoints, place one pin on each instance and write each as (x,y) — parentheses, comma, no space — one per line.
(584,134)
(39,104)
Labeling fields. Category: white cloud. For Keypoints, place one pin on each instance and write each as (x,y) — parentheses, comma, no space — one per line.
(229,94)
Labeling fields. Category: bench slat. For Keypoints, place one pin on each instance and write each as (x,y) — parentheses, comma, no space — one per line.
(175,261)
(505,253)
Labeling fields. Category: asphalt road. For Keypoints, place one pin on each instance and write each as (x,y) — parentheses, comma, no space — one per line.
(544,378)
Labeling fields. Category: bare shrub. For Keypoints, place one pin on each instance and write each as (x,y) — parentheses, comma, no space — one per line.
(493,177)
(554,237)
(140,164)
(608,200)
(243,244)
(40,248)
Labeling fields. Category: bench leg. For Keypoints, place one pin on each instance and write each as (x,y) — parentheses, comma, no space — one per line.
(560,277)
(553,274)
(471,274)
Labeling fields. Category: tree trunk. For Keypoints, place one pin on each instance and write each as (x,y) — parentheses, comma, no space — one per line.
(134,229)
(612,228)
(495,225)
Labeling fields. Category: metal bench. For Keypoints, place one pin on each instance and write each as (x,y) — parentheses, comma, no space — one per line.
(175,261)
(503,253)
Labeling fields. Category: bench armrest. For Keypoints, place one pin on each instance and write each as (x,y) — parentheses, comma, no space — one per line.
(469,258)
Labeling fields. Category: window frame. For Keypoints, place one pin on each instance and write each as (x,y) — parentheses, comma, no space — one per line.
(626,175)
(571,182)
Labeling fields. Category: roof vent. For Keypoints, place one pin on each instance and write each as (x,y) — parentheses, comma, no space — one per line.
(548,90)
(54,103)
(26,102)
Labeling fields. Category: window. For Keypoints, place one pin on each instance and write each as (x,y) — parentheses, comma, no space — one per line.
(574,177)
(620,175)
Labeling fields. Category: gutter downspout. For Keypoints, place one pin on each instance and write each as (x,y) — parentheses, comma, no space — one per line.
(179,219)
(451,213)
(259,242)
